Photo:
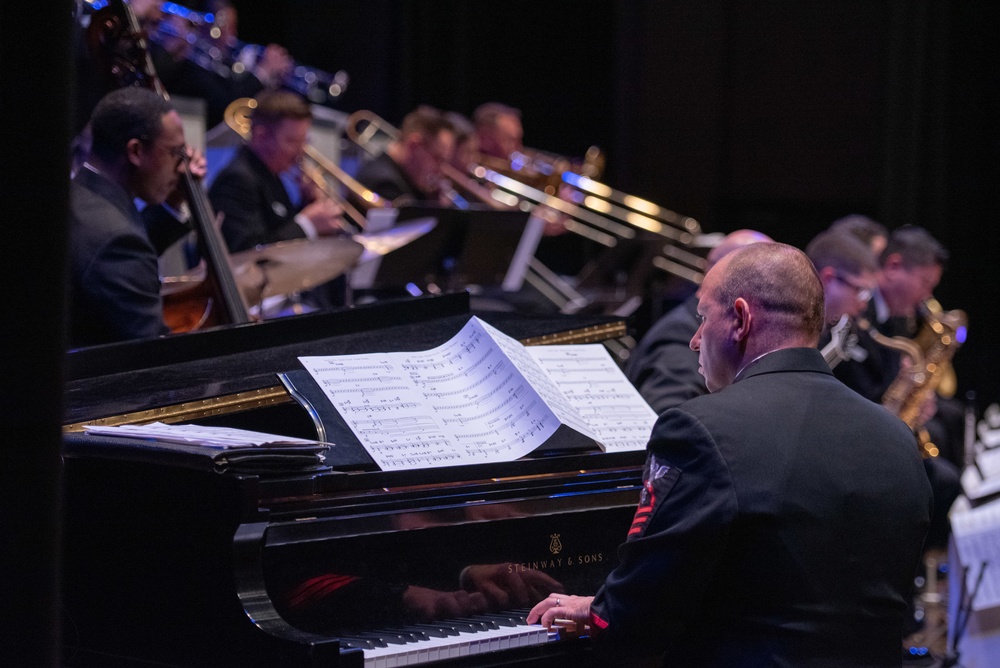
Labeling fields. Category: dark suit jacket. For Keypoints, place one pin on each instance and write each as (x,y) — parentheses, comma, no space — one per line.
(781,525)
(663,367)
(256,208)
(387,179)
(114,276)
(873,375)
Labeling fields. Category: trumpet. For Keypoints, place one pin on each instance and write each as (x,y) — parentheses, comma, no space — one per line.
(239,117)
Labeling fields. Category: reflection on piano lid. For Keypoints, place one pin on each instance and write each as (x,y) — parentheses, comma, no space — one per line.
(172,564)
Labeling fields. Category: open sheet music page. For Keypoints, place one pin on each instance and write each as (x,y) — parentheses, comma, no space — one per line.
(976,532)
(463,402)
(481,397)
(594,385)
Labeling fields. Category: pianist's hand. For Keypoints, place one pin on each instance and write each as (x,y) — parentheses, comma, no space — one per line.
(561,606)
(432,604)
(505,587)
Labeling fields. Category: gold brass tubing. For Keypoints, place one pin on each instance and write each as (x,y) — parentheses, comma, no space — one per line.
(591,334)
(194,410)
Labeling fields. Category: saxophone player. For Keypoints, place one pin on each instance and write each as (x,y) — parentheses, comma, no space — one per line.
(909,269)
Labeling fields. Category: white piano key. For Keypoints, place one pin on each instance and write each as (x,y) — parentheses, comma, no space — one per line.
(464,644)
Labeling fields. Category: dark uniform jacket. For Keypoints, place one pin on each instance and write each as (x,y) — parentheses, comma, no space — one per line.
(382,175)
(114,275)
(663,367)
(256,207)
(781,525)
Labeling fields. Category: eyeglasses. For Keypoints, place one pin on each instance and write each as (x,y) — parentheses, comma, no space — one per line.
(863,294)
(178,152)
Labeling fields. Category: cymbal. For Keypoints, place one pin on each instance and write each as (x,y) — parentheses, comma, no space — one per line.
(381,243)
(300,264)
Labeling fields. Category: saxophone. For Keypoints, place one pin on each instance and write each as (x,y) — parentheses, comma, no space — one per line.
(929,369)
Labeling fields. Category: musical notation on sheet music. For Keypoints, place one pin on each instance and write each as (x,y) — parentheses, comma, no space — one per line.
(592,384)
(480,397)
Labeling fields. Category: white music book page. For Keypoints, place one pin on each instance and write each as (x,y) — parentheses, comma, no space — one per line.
(976,532)
(480,397)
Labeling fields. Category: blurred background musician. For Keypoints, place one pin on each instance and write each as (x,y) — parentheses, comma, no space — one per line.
(253,200)
(663,367)
(869,231)
(176,35)
(256,206)
(848,271)
(499,131)
(910,267)
(409,169)
(138,152)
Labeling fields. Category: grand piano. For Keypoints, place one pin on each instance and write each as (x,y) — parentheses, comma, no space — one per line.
(185,559)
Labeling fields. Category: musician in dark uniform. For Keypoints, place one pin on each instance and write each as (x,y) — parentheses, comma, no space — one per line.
(783,515)
(409,170)
(663,367)
(256,207)
(137,152)
(911,265)
(848,271)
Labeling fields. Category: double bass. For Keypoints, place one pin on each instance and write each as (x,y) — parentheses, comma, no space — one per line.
(118,45)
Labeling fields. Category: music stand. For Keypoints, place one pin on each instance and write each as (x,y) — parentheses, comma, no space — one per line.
(467,247)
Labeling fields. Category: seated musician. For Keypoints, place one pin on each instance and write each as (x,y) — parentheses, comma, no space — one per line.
(910,267)
(173,42)
(761,534)
(872,232)
(256,206)
(409,170)
(137,152)
(848,271)
(499,132)
(663,367)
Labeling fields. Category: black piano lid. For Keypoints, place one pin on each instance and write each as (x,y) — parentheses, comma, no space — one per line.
(136,376)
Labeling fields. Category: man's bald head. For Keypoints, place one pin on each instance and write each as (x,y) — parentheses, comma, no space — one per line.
(734,240)
(782,287)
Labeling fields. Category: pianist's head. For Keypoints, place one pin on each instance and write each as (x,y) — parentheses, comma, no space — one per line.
(755,300)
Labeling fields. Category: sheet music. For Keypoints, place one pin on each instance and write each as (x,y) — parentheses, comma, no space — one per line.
(192,434)
(977,537)
(460,403)
(598,390)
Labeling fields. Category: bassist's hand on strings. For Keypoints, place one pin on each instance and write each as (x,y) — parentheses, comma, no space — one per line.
(192,161)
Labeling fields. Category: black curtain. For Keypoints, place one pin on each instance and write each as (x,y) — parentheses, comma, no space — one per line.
(34,71)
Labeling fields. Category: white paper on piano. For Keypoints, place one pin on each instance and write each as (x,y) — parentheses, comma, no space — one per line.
(212,437)
(480,397)
(976,532)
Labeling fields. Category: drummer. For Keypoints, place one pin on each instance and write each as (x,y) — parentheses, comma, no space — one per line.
(255,206)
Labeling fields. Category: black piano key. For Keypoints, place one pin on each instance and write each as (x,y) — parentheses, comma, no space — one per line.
(360,643)
(389,638)
(434,629)
(412,635)
(486,624)
(502,619)
(463,626)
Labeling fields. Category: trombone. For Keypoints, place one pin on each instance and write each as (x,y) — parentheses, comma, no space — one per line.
(601,214)
(372,133)
(238,116)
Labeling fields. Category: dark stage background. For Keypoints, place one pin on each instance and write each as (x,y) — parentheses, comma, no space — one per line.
(779,115)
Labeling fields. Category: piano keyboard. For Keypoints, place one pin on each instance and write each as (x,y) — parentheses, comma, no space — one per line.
(424,643)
